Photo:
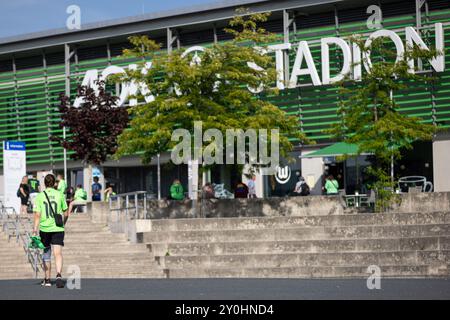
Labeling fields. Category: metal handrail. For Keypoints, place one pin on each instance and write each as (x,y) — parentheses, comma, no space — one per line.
(130,193)
(13,226)
(129,205)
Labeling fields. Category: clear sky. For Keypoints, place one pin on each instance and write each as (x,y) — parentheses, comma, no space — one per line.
(27,16)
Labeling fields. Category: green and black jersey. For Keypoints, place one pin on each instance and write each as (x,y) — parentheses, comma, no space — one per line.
(59,205)
(34,185)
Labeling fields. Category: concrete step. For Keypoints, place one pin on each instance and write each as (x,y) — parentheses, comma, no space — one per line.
(306,259)
(86,275)
(104,252)
(9,270)
(92,248)
(400,271)
(88,233)
(86,229)
(98,252)
(75,219)
(12,250)
(102,260)
(286,222)
(13,262)
(102,233)
(101,238)
(112,267)
(94,259)
(18,264)
(149,264)
(129,275)
(16,276)
(5,245)
(71,222)
(80,216)
(300,246)
(86,270)
(97,246)
(17,260)
(297,233)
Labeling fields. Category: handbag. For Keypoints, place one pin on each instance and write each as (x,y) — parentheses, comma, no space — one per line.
(58,217)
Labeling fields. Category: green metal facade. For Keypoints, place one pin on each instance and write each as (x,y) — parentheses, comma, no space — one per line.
(29,97)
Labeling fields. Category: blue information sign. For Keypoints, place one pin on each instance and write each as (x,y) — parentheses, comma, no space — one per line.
(15,145)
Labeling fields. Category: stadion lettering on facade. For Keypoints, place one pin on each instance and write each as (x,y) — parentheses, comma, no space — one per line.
(304,65)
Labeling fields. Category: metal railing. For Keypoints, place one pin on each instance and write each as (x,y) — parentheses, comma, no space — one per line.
(134,204)
(15,227)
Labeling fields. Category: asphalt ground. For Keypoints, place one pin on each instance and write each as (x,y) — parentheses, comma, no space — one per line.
(229,289)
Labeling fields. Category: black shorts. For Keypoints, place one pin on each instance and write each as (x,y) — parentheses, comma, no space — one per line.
(49,238)
(24,201)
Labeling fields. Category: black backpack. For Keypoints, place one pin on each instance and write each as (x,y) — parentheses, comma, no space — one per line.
(304,189)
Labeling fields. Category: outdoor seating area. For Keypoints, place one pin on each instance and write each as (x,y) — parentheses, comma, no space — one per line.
(408,184)
(360,200)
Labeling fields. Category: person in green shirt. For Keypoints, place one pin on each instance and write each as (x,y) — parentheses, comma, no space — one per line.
(331,185)
(80,193)
(62,185)
(176,190)
(109,192)
(50,216)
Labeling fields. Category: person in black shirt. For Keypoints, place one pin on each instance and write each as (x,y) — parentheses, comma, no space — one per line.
(24,195)
(241,190)
(34,185)
(35,188)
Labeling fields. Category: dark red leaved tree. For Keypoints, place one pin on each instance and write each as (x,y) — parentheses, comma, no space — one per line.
(92,128)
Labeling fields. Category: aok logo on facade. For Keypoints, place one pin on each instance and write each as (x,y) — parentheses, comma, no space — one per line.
(304,65)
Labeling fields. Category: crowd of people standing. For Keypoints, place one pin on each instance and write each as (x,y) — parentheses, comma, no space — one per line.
(30,187)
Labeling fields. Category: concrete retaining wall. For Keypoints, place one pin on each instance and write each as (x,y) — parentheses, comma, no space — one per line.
(216,208)
(98,211)
(269,207)
(423,202)
(288,206)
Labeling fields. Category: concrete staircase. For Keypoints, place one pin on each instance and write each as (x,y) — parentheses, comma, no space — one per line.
(90,246)
(13,262)
(401,244)
(102,254)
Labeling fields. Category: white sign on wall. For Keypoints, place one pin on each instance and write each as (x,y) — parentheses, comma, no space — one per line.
(14,168)
(353,63)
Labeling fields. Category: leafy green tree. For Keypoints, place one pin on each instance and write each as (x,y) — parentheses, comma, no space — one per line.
(370,117)
(209,86)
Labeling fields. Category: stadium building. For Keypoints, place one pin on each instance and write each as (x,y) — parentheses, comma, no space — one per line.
(36,68)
